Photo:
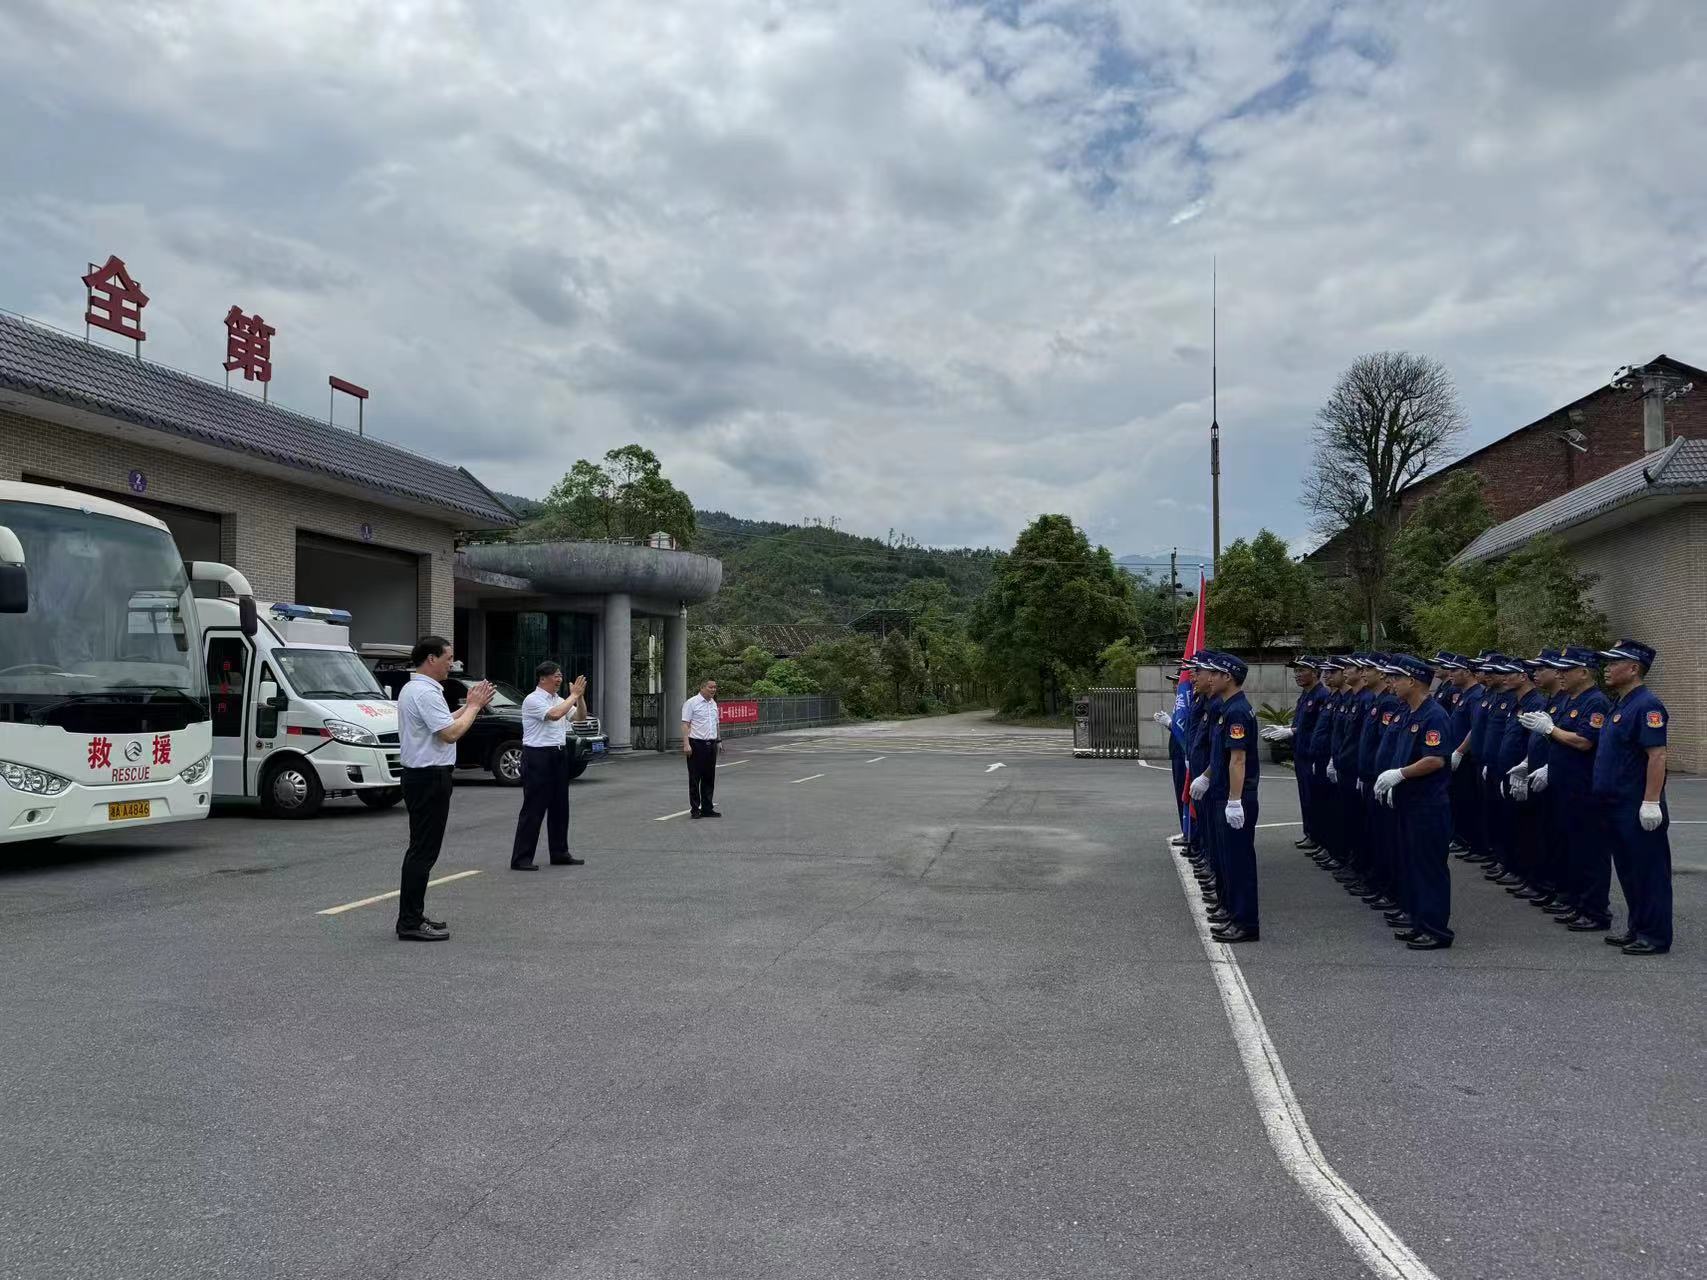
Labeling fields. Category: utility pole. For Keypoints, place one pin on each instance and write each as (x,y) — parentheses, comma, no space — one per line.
(1173,595)
(1215,409)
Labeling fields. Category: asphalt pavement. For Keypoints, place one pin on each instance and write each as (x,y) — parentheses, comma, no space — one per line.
(898,1013)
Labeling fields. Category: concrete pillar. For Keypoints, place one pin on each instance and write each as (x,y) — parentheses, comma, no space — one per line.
(675,675)
(617,657)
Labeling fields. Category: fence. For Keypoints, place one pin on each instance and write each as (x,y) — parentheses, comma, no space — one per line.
(1105,723)
(650,730)
(1269,682)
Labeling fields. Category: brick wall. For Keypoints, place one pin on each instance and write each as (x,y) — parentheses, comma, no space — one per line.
(1653,587)
(260,516)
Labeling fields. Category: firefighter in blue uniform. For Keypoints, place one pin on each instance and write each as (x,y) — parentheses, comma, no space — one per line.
(1325,792)
(1469,727)
(1232,797)
(1201,753)
(1376,713)
(1496,811)
(1547,874)
(1572,732)
(1388,890)
(1301,734)
(1521,817)
(1176,757)
(1454,680)
(1629,782)
(1354,713)
(1417,790)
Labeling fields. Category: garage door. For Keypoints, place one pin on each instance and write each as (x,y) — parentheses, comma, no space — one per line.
(195,532)
(376,584)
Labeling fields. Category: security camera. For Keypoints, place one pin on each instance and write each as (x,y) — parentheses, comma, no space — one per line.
(1575,439)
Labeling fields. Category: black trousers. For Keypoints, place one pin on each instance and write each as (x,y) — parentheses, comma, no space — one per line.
(702,774)
(545,795)
(426,794)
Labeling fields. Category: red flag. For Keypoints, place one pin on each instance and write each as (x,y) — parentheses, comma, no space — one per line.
(1195,638)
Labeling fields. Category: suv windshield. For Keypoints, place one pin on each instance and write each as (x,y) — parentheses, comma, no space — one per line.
(327,673)
(110,616)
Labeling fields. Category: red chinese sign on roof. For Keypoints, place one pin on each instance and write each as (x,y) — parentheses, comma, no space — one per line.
(249,346)
(115,300)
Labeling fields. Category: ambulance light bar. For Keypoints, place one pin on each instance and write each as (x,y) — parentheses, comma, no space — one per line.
(304,612)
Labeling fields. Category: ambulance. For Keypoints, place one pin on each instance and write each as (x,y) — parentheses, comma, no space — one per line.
(297,716)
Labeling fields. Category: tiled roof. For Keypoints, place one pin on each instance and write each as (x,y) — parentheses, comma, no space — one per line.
(1680,468)
(56,366)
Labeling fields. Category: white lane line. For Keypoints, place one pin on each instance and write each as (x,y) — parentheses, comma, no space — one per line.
(875,759)
(1264,826)
(681,813)
(734,764)
(994,767)
(1377,1244)
(381,897)
(809,778)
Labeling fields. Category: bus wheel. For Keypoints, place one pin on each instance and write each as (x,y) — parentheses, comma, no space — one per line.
(291,789)
(380,797)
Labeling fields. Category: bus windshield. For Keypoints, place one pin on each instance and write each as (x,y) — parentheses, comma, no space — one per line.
(110,616)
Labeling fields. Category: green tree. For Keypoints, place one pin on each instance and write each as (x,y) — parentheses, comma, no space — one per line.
(627,497)
(1533,599)
(1461,617)
(786,678)
(1437,529)
(904,668)
(1118,664)
(850,669)
(1260,593)
(1054,605)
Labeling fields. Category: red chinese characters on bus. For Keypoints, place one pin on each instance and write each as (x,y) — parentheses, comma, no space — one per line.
(249,345)
(162,749)
(100,753)
(115,300)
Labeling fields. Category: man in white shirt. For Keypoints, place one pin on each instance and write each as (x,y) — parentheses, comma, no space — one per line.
(427,734)
(545,768)
(699,745)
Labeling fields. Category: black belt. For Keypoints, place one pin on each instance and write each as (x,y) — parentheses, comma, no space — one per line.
(429,768)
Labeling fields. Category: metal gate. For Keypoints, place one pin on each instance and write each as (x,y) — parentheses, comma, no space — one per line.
(1105,723)
(646,723)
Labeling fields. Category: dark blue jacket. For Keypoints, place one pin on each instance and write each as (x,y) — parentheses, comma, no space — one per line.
(1638,721)
(1570,773)
(1427,732)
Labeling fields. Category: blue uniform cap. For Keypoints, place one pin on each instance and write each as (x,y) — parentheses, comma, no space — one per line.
(1234,667)
(1575,655)
(1446,660)
(1405,664)
(1548,658)
(1631,650)
(1306,663)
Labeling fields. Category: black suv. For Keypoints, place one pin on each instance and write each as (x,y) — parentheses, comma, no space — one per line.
(494,741)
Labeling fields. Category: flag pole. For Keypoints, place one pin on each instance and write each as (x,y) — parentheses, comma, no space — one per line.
(1215,408)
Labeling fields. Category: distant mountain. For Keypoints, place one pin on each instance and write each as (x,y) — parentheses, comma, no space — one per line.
(1154,568)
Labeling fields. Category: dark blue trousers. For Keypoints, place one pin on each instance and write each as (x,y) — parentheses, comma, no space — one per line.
(1176,758)
(1238,851)
(1352,833)
(1646,874)
(1496,821)
(1467,807)
(1305,800)
(1588,846)
(1325,798)
(1426,830)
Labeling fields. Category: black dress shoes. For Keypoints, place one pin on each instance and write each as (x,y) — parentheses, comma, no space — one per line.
(711,813)
(424,932)
(1235,933)
(569,860)
(524,866)
(1426,942)
(1619,939)
(1640,948)
(1582,924)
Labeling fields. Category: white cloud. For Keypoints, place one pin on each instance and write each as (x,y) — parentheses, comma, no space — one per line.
(920,264)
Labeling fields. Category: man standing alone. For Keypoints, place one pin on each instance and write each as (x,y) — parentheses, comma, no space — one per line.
(699,745)
(545,768)
(427,734)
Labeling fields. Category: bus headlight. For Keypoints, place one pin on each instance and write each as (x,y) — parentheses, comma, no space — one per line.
(38,782)
(194,773)
(353,734)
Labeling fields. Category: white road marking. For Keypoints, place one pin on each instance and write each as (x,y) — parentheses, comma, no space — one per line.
(808,778)
(1288,1131)
(875,759)
(1264,826)
(734,764)
(994,767)
(682,813)
(381,897)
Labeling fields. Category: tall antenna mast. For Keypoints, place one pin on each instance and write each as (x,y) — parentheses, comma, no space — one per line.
(1215,408)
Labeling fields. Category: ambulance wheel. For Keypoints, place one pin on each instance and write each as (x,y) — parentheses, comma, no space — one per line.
(291,789)
(381,797)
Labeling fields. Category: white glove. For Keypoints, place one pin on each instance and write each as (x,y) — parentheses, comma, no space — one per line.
(1236,814)
(1650,816)
(1162,718)
(1333,773)
(1384,784)
(1536,722)
(1457,759)
(1517,786)
(1359,785)
(1199,786)
(1538,781)
(1484,773)
(1277,733)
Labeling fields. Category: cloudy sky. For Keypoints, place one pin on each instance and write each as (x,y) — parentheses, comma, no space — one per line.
(930,266)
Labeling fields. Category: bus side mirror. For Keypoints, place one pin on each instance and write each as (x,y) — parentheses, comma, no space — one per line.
(14,577)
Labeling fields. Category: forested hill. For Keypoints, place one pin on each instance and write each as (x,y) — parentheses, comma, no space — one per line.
(786,573)
(783,573)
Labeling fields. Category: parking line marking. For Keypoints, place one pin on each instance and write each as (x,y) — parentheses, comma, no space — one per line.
(1264,826)
(875,759)
(734,764)
(1377,1244)
(806,779)
(381,897)
(681,814)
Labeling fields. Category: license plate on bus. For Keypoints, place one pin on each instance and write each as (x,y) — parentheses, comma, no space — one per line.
(127,809)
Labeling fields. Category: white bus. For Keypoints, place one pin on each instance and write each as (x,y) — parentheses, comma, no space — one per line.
(103,688)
